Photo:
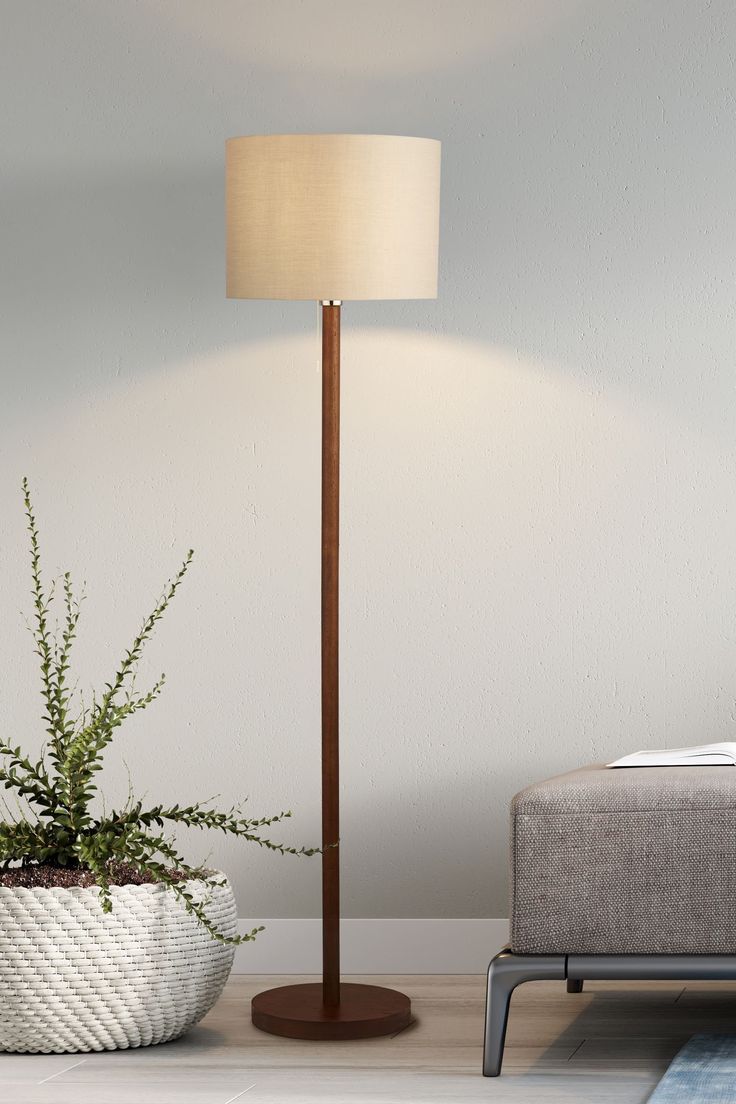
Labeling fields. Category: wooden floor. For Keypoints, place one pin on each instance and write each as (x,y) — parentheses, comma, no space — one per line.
(609,1043)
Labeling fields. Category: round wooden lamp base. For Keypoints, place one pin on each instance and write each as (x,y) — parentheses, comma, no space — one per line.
(298,1012)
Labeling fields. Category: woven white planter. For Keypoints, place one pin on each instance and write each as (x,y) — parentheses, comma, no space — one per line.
(73,978)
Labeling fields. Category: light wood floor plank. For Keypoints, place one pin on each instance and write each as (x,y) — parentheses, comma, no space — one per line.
(140,1092)
(607,1045)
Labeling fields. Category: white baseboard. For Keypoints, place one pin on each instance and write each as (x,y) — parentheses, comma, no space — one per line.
(374,946)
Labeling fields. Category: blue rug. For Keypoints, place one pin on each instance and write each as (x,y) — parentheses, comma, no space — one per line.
(703,1072)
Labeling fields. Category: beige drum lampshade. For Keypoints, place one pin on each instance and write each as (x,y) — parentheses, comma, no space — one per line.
(332,216)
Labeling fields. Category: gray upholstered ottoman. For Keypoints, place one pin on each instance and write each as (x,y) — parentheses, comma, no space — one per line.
(618,873)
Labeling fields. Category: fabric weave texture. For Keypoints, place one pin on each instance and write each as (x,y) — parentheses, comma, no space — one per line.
(625,861)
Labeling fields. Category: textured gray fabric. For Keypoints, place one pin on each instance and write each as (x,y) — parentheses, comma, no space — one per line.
(622,861)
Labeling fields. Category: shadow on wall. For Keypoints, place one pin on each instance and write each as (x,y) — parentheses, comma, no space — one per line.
(116,276)
(439,850)
(535,575)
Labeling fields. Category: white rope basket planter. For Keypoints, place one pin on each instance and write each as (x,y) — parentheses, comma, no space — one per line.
(73,978)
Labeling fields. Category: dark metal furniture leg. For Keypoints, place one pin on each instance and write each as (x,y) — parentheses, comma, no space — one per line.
(508,970)
(505,972)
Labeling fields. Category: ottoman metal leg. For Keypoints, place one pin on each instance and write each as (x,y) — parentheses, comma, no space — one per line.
(508,970)
(505,972)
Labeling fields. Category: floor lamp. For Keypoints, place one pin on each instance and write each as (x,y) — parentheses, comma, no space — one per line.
(331,217)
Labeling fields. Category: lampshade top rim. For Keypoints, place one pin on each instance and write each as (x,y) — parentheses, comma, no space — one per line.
(334,134)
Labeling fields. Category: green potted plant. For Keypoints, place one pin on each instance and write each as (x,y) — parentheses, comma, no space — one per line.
(108,938)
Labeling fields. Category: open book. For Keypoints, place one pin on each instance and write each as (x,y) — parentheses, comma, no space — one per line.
(707,755)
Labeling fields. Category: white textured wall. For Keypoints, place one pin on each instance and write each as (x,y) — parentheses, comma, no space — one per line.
(539,468)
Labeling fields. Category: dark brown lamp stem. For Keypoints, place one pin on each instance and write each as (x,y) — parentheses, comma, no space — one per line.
(330,1010)
(330,676)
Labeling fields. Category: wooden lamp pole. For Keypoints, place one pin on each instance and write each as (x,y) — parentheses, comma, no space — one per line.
(332,1009)
(306,214)
(330,648)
